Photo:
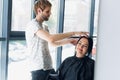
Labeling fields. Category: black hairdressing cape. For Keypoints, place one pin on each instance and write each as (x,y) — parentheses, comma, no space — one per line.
(74,68)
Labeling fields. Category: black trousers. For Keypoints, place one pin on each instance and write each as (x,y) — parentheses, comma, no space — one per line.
(40,74)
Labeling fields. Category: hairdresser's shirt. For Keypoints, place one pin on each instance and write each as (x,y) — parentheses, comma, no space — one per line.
(37,48)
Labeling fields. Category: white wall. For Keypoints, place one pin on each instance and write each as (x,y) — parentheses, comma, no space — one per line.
(108,47)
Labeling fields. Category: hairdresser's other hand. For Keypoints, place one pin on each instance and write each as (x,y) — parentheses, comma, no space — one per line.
(81,33)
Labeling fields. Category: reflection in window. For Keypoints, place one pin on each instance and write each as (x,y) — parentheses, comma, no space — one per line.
(21,14)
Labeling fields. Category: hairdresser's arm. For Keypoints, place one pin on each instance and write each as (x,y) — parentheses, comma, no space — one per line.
(52,38)
(64,41)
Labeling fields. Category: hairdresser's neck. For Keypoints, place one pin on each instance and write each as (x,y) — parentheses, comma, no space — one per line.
(39,19)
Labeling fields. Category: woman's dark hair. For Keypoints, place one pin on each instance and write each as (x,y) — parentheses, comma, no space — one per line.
(90,41)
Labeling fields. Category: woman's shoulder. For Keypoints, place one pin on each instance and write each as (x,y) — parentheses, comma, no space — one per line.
(89,60)
(68,59)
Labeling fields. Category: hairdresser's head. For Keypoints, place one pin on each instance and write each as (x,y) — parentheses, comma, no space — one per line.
(84,46)
(42,9)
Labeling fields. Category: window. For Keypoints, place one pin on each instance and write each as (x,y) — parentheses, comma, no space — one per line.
(0,38)
(0,54)
(79,20)
(17,61)
(21,14)
(0,18)
(0,33)
(75,20)
(96,17)
(17,56)
(18,68)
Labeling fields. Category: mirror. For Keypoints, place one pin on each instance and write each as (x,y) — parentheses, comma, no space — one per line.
(77,17)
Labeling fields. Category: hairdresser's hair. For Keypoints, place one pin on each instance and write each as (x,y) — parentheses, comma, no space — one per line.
(42,4)
(90,43)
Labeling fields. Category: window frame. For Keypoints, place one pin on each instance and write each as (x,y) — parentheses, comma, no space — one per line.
(4,41)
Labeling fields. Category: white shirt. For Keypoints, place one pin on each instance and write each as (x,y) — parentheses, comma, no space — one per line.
(37,48)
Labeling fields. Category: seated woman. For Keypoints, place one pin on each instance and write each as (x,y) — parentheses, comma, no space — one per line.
(80,66)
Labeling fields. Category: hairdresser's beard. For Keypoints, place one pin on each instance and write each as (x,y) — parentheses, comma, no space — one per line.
(45,18)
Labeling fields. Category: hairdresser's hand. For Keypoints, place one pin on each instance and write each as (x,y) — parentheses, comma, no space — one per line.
(73,41)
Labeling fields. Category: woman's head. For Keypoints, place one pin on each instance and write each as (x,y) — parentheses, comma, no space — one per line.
(84,46)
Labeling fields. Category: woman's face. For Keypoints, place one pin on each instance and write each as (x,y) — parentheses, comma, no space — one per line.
(82,47)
